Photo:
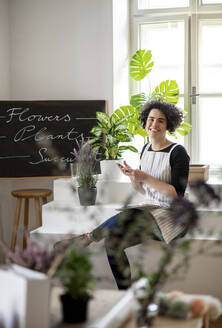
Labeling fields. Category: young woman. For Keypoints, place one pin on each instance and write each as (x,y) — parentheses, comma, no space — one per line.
(162,176)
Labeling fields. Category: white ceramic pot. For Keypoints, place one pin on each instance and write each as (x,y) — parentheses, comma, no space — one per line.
(110,171)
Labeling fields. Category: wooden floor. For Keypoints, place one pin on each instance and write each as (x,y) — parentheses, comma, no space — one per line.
(217,323)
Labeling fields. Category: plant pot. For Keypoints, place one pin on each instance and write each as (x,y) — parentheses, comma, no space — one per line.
(198,172)
(87,196)
(110,170)
(74,310)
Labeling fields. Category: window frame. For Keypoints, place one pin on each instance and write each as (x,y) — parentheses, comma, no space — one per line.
(190,15)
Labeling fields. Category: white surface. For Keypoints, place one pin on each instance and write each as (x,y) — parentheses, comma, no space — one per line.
(65,217)
(29,305)
(107,191)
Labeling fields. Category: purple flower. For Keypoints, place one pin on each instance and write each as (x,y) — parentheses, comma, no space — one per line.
(34,256)
(86,160)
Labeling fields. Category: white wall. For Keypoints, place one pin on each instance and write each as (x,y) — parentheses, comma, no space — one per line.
(4,50)
(58,50)
(61,49)
(120,53)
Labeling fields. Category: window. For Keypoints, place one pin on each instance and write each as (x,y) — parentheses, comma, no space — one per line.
(206,2)
(185,46)
(153,4)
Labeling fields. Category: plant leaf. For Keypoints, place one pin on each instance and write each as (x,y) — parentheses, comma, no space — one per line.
(140,64)
(138,100)
(129,147)
(169,90)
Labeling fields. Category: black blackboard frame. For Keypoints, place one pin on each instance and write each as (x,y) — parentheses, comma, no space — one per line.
(36,136)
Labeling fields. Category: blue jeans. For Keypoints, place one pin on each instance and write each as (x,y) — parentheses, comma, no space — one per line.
(126,229)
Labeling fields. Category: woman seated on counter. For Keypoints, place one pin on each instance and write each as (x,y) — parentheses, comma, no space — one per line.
(162,177)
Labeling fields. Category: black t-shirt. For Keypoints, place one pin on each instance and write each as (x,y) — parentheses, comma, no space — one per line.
(179,162)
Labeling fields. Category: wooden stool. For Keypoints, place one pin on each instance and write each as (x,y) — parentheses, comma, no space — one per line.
(26,194)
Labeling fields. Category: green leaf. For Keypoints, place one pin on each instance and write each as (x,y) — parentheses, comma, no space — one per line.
(142,132)
(104,119)
(122,114)
(140,64)
(129,147)
(138,100)
(168,90)
(97,131)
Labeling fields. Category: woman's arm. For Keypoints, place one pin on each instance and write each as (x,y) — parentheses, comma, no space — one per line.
(162,187)
(179,162)
(138,178)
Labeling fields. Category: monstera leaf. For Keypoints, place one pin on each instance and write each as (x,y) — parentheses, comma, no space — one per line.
(140,64)
(168,90)
(184,128)
(131,115)
(138,100)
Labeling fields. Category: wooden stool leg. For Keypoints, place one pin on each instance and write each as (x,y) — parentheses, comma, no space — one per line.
(44,200)
(16,223)
(38,212)
(26,222)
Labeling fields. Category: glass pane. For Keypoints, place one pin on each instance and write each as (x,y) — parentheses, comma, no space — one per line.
(210,118)
(166,41)
(154,4)
(210,56)
(205,2)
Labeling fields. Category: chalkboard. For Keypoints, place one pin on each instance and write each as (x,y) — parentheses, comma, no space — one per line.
(36,137)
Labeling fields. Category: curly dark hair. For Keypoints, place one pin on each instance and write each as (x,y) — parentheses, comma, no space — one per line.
(173,115)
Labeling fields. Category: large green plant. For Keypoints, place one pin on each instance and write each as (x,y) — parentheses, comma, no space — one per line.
(110,132)
(140,66)
(123,124)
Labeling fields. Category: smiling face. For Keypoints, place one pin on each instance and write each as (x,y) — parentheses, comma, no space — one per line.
(156,124)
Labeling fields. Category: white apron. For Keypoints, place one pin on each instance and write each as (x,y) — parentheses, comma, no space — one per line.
(157,164)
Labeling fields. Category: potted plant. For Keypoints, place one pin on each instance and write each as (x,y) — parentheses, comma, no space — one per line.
(110,134)
(75,274)
(86,160)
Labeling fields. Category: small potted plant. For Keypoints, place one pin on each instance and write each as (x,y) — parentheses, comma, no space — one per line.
(86,160)
(75,274)
(110,134)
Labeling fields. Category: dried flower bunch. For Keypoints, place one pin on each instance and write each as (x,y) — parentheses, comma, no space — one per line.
(86,160)
(34,256)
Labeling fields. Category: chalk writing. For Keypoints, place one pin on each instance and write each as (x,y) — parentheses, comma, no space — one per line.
(18,113)
(20,156)
(44,158)
(40,135)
